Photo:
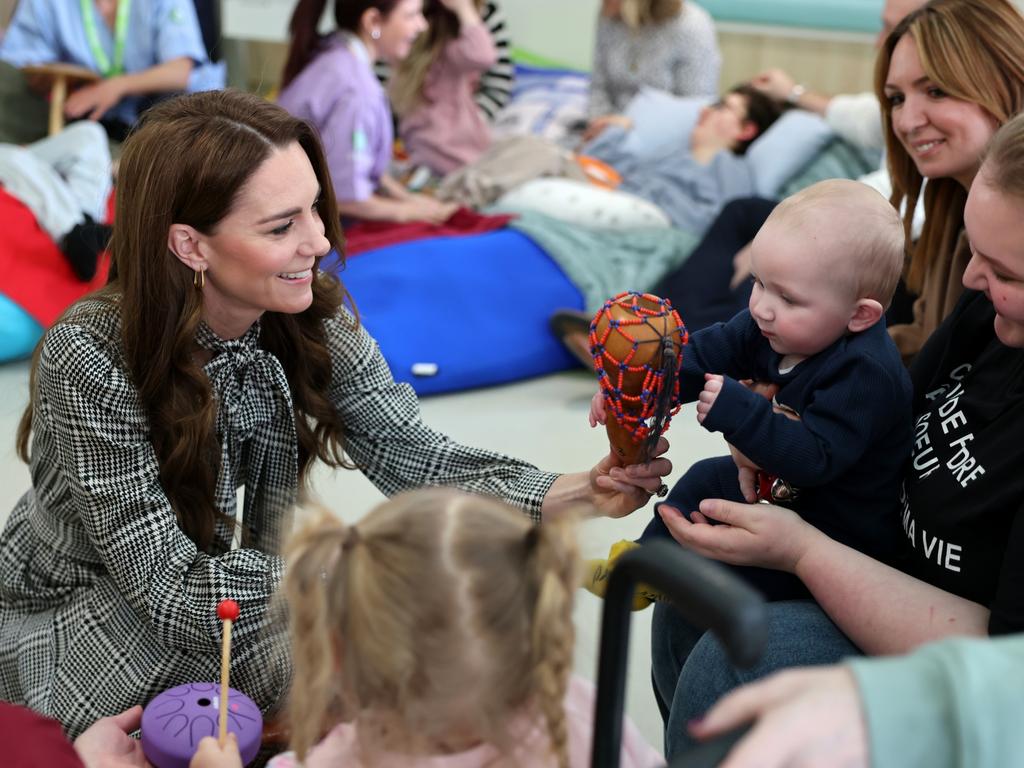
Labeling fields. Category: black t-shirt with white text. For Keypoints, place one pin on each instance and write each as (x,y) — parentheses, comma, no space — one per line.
(963,495)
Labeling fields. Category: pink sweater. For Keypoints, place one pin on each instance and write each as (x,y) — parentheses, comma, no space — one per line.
(339,747)
(446,130)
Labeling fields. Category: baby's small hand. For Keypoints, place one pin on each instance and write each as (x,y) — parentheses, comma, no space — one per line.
(597,413)
(712,386)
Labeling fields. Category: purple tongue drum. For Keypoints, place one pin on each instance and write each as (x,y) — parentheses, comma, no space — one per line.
(174,722)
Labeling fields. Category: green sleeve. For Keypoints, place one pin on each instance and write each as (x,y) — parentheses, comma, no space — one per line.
(958,703)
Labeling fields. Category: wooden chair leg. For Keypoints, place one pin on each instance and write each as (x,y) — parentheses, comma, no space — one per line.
(58,95)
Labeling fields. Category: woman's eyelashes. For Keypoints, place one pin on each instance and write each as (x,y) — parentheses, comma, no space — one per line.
(283,229)
(896,99)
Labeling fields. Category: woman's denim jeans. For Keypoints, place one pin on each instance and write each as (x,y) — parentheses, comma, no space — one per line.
(691,672)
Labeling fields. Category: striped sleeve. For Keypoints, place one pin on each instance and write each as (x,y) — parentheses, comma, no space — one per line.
(495,88)
(496,83)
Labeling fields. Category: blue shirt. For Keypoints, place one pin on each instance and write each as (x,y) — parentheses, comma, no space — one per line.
(44,31)
(339,94)
(690,193)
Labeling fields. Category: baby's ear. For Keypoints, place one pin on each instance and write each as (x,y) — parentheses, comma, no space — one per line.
(865,314)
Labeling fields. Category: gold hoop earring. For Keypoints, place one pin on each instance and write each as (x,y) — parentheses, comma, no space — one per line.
(199,279)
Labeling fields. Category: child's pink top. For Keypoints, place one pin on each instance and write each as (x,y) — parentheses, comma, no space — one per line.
(340,745)
(447,130)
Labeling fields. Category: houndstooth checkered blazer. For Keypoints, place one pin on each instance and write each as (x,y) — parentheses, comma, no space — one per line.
(104,602)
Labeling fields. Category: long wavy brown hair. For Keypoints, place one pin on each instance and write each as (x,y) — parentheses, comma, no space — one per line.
(489,638)
(974,51)
(185,164)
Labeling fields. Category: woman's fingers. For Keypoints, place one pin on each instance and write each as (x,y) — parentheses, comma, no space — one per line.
(742,705)
(649,477)
(731,512)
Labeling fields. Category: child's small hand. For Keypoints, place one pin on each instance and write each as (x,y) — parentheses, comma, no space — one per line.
(597,412)
(747,473)
(211,755)
(712,386)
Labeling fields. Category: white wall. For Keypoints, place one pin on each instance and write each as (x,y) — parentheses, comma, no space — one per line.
(256,19)
(562,30)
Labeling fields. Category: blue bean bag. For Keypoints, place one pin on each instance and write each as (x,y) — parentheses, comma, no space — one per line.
(19,333)
(453,313)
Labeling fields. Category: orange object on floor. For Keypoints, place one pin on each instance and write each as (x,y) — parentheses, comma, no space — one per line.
(599,172)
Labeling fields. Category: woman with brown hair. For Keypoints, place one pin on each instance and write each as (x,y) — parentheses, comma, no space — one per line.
(329,81)
(217,356)
(947,77)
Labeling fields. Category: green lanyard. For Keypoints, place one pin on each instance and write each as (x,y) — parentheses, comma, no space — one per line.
(120,32)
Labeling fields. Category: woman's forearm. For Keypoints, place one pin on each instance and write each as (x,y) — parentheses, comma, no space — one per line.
(169,76)
(571,491)
(374,208)
(393,188)
(881,609)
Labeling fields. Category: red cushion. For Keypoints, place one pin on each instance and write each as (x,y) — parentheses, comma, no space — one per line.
(33,272)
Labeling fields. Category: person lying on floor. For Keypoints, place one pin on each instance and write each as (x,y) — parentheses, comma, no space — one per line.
(692,184)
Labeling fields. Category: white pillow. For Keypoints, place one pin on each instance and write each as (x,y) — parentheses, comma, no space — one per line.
(584,204)
(661,121)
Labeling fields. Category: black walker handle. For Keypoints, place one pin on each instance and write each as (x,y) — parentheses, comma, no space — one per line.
(706,594)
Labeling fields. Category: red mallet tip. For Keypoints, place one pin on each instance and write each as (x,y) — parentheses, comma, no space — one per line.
(227,610)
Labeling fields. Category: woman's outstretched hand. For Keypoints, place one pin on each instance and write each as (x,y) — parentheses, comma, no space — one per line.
(619,490)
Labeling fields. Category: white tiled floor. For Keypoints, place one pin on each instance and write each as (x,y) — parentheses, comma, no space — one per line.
(543,420)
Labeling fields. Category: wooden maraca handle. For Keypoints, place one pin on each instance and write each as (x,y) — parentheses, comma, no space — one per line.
(622,444)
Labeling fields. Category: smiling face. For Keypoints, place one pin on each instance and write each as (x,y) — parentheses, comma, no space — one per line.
(796,300)
(261,257)
(944,136)
(398,30)
(993,221)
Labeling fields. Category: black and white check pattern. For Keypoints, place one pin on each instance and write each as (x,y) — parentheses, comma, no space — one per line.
(104,602)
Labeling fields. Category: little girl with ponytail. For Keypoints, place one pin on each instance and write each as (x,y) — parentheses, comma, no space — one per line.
(437,631)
